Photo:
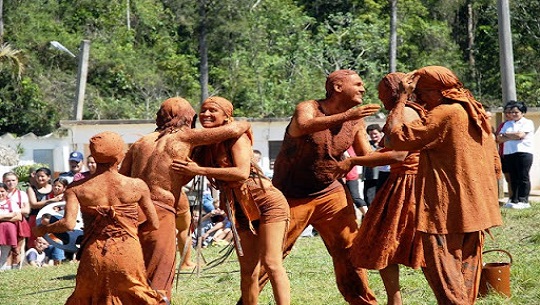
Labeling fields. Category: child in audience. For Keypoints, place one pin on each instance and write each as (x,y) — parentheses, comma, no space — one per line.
(36,257)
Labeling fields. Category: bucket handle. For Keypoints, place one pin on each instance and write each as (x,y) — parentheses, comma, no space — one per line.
(500,250)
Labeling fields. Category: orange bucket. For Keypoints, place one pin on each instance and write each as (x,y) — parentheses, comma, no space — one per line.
(495,276)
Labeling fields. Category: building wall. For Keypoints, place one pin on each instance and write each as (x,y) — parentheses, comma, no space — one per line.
(74,135)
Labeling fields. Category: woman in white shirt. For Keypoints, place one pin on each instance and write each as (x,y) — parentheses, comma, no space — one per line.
(517,135)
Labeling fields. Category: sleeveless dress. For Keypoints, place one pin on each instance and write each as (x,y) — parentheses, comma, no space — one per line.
(8,229)
(388,234)
(111,268)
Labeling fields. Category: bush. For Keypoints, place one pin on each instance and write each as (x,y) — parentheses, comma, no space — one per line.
(23,171)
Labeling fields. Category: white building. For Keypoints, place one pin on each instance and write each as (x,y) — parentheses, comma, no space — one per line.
(54,149)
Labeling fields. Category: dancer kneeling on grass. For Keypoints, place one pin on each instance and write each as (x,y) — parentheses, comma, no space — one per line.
(258,210)
(111,269)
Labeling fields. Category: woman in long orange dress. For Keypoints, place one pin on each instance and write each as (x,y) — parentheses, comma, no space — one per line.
(257,209)
(387,236)
(111,268)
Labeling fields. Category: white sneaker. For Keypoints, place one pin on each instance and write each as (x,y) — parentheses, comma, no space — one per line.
(509,205)
(521,205)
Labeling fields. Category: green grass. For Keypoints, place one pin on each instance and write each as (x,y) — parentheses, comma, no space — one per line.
(310,271)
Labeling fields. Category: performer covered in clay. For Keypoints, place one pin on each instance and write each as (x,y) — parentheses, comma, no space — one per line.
(150,159)
(257,209)
(387,236)
(456,188)
(111,268)
(315,140)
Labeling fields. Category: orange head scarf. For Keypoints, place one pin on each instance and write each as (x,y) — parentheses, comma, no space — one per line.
(444,80)
(223,104)
(207,158)
(174,112)
(107,147)
(389,89)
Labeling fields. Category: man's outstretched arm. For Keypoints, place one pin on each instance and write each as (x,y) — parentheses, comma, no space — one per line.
(305,119)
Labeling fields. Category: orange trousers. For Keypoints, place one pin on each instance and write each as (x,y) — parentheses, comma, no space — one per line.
(333,216)
(453,266)
(159,251)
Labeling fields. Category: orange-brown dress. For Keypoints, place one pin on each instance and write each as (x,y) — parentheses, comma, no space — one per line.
(111,268)
(387,234)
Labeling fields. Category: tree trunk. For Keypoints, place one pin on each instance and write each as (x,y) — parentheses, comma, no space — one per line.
(1,21)
(203,52)
(470,41)
(393,35)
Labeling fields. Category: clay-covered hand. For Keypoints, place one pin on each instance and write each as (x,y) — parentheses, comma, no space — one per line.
(363,111)
(409,81)
(186,167)
(342,168)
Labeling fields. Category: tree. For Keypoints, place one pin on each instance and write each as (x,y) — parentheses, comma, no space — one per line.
(12,60)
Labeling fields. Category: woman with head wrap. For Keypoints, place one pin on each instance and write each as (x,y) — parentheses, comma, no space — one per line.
(259,211)
(109,203)
(457,179)
(150,159)
(387,236)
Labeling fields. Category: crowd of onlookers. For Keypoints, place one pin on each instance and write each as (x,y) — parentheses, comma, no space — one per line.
(20,206)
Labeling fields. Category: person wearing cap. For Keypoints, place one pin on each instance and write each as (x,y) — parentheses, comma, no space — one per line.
(456,148)
(111,268)
(75,166)
(149,159)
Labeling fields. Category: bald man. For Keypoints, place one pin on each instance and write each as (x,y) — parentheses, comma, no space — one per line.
(315,140)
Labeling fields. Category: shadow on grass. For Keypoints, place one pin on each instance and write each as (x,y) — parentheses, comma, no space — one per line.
(37,292)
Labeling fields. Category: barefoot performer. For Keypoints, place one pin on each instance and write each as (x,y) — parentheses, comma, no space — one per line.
(387,236)
(456,188)
(257,209)
(150,159)
(319,133)
(111,268)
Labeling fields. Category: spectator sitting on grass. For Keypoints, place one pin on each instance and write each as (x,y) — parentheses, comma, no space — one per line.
(36,257)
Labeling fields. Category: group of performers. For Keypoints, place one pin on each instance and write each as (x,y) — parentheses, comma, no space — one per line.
(438,141)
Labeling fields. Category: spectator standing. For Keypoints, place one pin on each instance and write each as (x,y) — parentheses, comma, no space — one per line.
(38,197)
(517,135)
(75,166)
(370,175)
(10,213)
(91,165)
(504,161)
(20,198)
(353,185)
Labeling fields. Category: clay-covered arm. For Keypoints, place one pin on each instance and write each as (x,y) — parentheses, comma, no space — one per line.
(206,136)
(125,167)
(67,223)
(241,152)
(147,207)
(378,158)
(305,120)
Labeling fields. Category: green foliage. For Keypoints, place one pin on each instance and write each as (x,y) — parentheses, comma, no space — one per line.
(23,110)
(266,56)
(23,171)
